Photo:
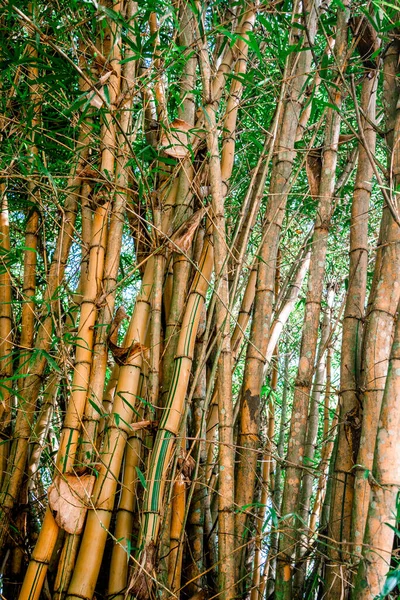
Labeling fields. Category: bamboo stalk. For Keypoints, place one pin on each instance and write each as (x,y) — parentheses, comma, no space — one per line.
(6,345)
(196,516)
(269,570)
(118,577)
(108,261)
(177,522)
(384,483)
(85,339)
(183,201)
(326,449)
(220,171)
(257,585)
(309,447)
(71,428)
(76,406)
(93,408)
(28,316)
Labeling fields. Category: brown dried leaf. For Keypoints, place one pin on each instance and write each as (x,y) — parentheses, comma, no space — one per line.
(143,425)
(346,137)
(119,316)
(186,463)
(97,98)
(367,41)
(123,355)
(88,173)
(141,580)
(182,238)
(313,170)
(174,140)
(68,499)
(104,78)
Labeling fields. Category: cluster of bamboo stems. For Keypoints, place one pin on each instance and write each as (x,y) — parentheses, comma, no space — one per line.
(166,481)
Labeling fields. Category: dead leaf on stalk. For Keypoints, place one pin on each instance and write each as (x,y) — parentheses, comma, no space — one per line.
(344,138)
(141,581)
(97,99)
(119,316)
(68,499)
(186,463)
(366,40)
(88,173)
(313,170)
(182,238)
(123,355)
(175,138)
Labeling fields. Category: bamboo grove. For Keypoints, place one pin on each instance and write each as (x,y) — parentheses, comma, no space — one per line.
(199,298)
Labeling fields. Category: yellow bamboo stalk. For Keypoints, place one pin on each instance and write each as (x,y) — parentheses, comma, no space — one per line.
(6,345)
(183,202)
(123,532)
(125,518)
(84,340)
(28,316)
(178,505)
(96,399)
(90,401)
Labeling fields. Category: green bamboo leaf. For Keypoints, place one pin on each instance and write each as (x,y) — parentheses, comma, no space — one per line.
(97,408)
(392,580)
(141,477)
(50,360)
